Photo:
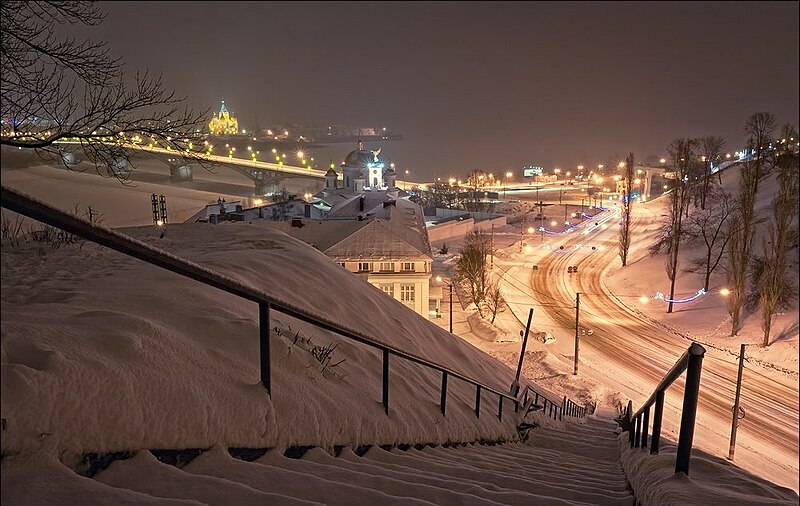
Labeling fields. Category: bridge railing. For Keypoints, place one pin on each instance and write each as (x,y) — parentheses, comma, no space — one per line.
(637,424)
(44,213)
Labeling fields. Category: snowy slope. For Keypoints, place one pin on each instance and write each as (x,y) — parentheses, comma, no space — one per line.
(102,353)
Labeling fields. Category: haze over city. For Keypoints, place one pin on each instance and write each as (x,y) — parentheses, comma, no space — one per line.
(471,86)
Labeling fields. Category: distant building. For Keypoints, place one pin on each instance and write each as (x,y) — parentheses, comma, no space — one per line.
(224,123)
(391,253)
(368,226)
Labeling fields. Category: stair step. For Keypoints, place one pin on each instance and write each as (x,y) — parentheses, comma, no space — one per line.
(302,485)
(146,474)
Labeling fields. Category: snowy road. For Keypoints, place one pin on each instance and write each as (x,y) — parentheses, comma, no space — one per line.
(630,352)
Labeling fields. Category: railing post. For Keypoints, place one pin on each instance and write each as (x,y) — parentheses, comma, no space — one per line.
(536,398)
(263,339)
(500,408)
(386,380)
(478,401)
(645,422)
(443,402)
(656,437)
(638,433)
(629,421)
(691,392)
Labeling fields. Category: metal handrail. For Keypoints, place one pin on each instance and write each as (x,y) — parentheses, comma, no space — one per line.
(555,411)
(32,208)
(637,423)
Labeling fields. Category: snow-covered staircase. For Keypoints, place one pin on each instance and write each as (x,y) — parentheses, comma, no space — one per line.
(579,465)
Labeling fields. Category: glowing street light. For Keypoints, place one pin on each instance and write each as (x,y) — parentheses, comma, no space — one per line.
(553,223)
(663,160)
(531,230)
(724,292)
(300,154)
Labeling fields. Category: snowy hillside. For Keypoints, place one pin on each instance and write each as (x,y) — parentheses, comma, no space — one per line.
(102,352)
(705,319)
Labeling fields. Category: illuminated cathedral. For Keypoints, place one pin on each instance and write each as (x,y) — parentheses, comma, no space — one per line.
(223,123)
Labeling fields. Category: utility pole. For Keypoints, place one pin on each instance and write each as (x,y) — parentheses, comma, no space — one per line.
(451,307)
(577,322)
(735,422)
(515,384)
(566,210)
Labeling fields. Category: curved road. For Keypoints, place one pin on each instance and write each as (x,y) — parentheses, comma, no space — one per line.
(630,351)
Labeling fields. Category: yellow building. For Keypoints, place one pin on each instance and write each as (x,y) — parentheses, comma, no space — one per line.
(223,123)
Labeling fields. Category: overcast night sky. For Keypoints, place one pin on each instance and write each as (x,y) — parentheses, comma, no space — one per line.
(491,86)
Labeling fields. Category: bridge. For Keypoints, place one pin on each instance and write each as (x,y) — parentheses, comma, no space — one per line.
(266,176)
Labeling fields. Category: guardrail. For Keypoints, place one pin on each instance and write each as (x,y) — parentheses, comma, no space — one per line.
(44,213)
(637,423)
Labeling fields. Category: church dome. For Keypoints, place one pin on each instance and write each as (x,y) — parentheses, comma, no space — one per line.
(359,158)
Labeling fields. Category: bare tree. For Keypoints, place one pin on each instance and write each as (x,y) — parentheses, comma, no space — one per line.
(59,95)
(759,128)
(787,146)
(772,283)
(628,175)
(495,302)
(472,267)
(711,152)
(682,154)
(712,227)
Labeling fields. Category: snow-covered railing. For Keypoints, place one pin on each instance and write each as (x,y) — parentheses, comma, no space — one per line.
(550,408)
(637,423)
(32,208)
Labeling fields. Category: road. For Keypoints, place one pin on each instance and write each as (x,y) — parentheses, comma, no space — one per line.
(630,352)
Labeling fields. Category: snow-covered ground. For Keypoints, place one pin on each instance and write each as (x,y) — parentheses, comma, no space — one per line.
(101,352)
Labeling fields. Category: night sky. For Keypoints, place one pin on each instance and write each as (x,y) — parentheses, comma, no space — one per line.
(490,86)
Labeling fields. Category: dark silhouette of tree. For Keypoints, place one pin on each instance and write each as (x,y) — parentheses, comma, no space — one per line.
(472,269)
(711,153)
(628,175)
(682,153)
(772,283)
(58,95)
(759,128)
(712,228)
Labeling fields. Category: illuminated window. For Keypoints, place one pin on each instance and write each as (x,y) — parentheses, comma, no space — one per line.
(387,266)
(363,267)
(407,293)
(387,288)
(408,266)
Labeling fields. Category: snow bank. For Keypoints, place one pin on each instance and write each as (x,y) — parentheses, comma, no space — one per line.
(711,480)
(102,352)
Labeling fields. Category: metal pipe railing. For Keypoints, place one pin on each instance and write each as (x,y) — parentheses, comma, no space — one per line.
(32,208)
(637,423)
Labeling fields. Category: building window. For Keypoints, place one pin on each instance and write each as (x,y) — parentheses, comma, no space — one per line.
(387,288)
(363,267)
(387,266)
(342,264)
(408,266)
(407,293)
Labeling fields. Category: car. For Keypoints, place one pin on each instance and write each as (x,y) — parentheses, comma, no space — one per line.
(569,269)
(535,267)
